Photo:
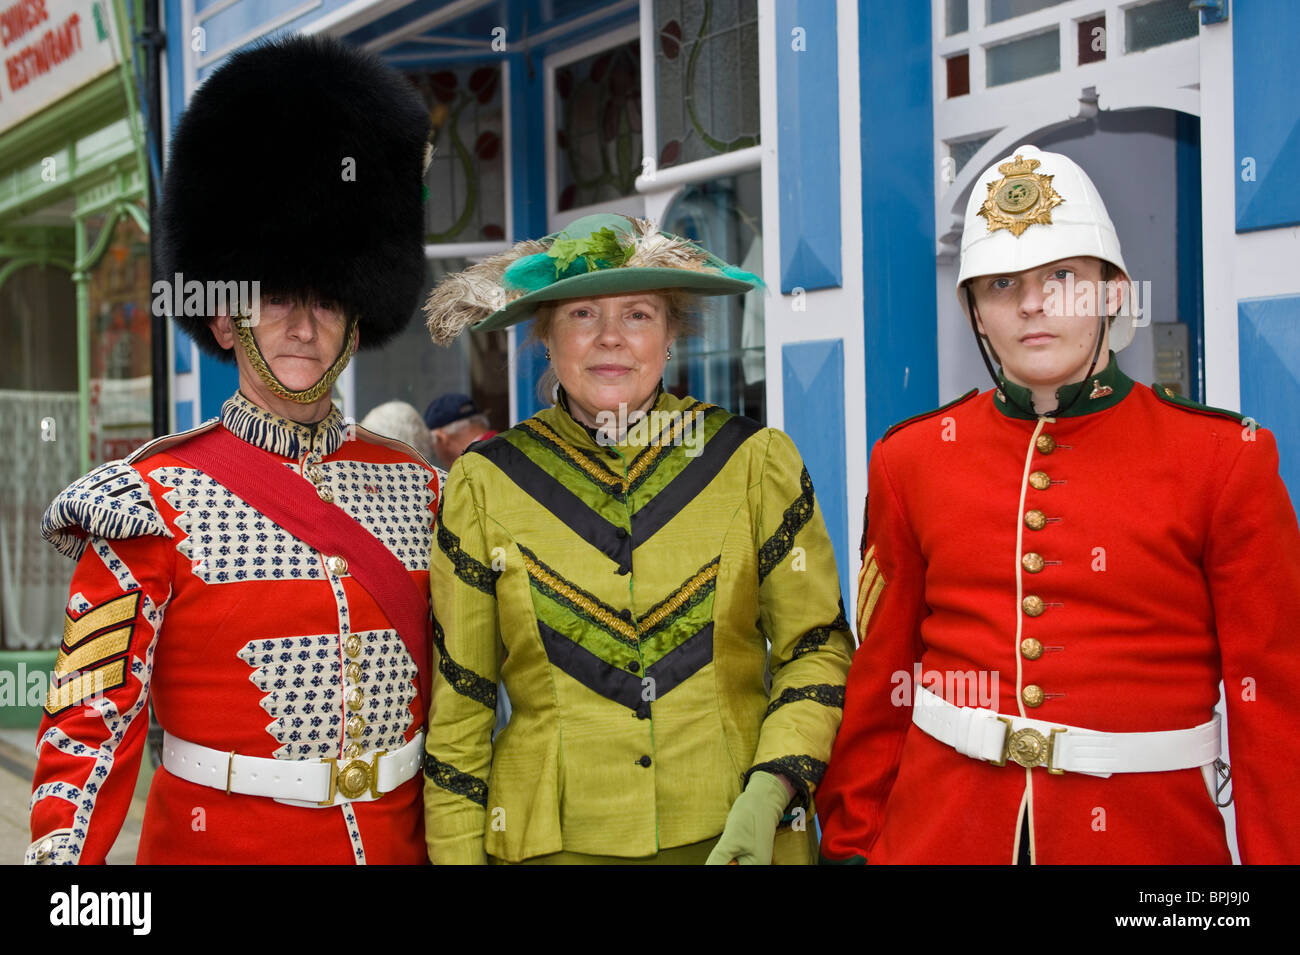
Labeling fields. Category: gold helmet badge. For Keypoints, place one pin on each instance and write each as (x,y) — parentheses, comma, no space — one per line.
(1020,198)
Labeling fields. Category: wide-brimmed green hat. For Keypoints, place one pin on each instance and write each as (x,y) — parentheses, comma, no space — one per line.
(603,254)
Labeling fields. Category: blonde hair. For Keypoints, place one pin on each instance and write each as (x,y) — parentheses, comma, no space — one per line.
(682,310)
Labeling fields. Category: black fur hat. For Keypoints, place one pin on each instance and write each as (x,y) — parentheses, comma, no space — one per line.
(299,164)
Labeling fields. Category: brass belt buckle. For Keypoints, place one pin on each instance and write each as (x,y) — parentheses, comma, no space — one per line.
(354,779)
(1028,747)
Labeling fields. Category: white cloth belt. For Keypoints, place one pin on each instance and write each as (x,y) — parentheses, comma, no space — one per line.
(984,734)
(297,782)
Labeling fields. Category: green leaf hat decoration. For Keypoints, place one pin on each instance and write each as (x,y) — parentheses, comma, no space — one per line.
(603,254)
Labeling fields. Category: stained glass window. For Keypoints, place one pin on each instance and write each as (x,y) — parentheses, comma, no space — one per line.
(598,127)
(466,179)
(706,78)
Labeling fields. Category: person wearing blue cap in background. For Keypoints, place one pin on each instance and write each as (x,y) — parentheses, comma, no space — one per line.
(455,422)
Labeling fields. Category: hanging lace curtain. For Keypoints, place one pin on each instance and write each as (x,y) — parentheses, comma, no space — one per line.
(34,577)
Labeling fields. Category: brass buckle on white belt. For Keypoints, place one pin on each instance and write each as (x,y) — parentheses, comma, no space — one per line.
(354,779)
(1028,747)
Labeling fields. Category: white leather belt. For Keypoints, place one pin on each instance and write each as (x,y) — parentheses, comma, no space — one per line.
(995,738)
(298,782)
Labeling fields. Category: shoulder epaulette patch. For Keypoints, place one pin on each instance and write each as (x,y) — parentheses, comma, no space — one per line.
(1169,396)
(111,501)
(166,441)
(374,437)
(930,414)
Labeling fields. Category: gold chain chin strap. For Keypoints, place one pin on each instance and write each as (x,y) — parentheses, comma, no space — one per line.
(309,395)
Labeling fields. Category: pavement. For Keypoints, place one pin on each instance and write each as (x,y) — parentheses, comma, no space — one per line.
(17,766)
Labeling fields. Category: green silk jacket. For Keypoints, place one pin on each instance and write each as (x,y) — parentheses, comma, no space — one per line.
(626,596)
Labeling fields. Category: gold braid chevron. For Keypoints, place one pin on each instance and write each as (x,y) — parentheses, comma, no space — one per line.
(600,474)
(662,440)
(705,576)
(578,598)
(98,635)
(871,582)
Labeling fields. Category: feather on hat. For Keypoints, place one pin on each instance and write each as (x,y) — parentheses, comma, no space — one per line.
(600,254)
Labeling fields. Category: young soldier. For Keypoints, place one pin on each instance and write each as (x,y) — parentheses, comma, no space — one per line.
(264,576)
(1071,563)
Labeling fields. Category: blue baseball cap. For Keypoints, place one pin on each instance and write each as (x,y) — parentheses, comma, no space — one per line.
(445,409)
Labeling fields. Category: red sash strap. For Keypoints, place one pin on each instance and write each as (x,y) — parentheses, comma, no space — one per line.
(260,479)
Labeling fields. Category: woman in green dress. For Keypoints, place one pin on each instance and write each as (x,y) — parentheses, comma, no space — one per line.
(649,576)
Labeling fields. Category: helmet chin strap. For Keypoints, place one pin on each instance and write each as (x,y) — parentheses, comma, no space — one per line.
(997,383)
(305,396)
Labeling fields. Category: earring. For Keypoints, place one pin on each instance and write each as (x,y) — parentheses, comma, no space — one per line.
(548,354)
(670,353)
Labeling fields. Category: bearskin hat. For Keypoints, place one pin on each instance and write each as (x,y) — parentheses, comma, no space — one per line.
(299,164)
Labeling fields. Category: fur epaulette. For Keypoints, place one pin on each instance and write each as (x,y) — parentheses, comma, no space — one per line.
(930,414)
(111,501)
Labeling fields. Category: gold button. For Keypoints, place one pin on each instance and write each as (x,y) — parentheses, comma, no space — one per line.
(315,475)
(356,725)
(1035,520)
(325,493)
(44,849)
(352,751)
(1031,649)
(1032,695)
(1032,562)
(1033,605)
(352,645)
(336,566)
(356,698)
(1045,444)
(352,672)
(1040,481)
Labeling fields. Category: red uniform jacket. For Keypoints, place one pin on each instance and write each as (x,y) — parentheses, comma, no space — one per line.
(240,633)
(1166,554)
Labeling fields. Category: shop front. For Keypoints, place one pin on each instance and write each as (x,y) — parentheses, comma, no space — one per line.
(75,382)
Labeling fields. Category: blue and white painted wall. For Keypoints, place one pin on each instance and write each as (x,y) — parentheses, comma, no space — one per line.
(1250,166)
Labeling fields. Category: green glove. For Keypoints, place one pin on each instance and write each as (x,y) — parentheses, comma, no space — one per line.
(751,824)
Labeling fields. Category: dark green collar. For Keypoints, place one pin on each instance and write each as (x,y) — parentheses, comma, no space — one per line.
(1103,390)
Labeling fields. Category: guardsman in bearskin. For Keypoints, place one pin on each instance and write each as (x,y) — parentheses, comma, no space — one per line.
(1057,574)
(262,578)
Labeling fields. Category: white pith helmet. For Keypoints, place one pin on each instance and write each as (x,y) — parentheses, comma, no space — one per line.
(1032,208)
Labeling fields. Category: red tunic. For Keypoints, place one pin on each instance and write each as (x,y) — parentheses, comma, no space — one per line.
(242,642)
(1170,560)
